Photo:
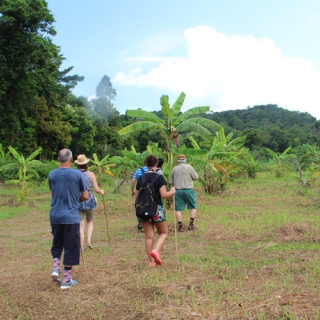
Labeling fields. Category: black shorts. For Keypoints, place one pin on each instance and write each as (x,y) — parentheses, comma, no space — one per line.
(66,237)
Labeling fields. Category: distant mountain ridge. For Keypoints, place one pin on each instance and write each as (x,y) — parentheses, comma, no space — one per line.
(270,126)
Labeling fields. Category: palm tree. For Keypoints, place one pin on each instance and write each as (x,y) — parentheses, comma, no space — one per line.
(173,123)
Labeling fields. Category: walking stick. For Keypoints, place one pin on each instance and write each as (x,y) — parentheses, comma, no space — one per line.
(84,263)
(105,213)
(175,227)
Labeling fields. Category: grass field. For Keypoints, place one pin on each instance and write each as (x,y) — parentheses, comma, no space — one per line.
(254,255)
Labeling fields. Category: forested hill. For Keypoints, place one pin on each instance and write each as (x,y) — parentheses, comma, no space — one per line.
(270,126)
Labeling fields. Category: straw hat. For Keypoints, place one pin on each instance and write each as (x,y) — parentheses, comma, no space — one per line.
(82,159)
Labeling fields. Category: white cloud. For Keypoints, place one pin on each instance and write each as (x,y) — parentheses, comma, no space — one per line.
(229,72)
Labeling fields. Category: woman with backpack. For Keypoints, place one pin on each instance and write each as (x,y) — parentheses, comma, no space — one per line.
(152,187)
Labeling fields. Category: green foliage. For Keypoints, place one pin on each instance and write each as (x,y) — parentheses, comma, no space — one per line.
(270,126)
(32,86)
(101,166)
(172,124)
(281,164)
(26,169)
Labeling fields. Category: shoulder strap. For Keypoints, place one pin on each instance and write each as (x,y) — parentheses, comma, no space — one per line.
(156,176)
(142,170)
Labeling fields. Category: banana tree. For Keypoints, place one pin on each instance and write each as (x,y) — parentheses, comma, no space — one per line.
(101,165)
(281,163)
(130,161)
(26,169)
(173,123)
(226,158)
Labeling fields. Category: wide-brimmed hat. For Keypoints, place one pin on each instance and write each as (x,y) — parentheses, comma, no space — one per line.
(82,159)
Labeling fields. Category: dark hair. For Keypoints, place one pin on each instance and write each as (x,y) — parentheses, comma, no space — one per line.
(160,162)
(64,155)
(82,166)
(150,161)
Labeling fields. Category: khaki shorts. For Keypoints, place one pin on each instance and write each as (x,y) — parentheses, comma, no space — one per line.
(86,213)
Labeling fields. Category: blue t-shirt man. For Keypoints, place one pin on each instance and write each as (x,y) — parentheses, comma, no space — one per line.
(66,185)
(68,189)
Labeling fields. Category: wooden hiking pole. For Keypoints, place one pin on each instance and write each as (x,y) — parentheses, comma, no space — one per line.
(84,263)
(175,226)
(105,213)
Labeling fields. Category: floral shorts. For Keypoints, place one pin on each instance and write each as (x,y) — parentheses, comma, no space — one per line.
(160,216)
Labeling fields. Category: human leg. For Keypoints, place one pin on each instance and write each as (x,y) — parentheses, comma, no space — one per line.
(71,253)
(162,229)
(82,223)
(89,233)
(179,206)
(56,250)
(191,202)
(81,233)
(149,238)
(89,217)
(192,217)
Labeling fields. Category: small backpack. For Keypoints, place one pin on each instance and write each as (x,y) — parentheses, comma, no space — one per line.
(146,207)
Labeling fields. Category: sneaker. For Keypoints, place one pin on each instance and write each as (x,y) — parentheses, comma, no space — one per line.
(152,264)
(180,228)
(156,256)
(191,227)
(68,284)
(55,275)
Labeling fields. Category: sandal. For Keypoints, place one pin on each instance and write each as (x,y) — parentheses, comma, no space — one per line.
(89,245)
(156,256)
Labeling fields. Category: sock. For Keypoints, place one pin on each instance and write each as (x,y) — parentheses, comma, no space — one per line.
(67,274)
(191,220)
(56,263)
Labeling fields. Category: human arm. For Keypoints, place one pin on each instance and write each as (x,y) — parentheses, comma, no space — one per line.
(166,194)
(95,184)
(84,195)
(194,175)
(133,183)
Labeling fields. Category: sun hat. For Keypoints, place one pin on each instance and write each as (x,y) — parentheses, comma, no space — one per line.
(181,157)
(82,159)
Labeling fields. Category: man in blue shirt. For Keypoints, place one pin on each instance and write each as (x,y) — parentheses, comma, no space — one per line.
(139,172)
(68,189)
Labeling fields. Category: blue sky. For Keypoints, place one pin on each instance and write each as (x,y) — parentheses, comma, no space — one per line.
(228,54)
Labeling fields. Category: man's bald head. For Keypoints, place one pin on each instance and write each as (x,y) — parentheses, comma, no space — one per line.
(64,155)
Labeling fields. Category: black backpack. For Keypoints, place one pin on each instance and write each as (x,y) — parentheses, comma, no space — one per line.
(146,207)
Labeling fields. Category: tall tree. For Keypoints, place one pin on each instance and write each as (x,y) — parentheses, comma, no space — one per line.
(106,119)
(105,89)
(29,70)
